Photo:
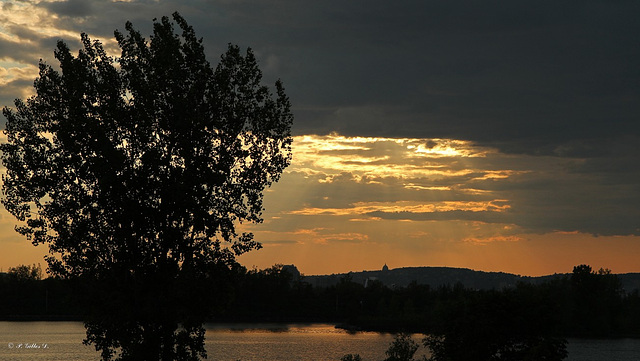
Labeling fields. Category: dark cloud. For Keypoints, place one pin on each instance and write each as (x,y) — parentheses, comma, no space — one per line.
(12,90)
(528,77)
(581,197)
(70,8)
(548,79)
(23,52)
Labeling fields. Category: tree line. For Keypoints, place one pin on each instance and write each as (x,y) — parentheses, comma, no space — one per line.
(586,303)
(527,319)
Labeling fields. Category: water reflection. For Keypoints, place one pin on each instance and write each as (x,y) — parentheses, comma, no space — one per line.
(250,327)
(263,341)
(248,342)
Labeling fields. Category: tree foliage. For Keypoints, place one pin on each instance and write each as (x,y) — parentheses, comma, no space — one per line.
(25,273)
(135,172)
(402,348)
(596,301)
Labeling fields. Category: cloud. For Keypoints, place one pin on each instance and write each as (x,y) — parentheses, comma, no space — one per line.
(432,102)
(409,207)
(14,83)
(484,241)
(70,8)
(530,77)
(454,215)
(318,235)
(536,194)
(280,242)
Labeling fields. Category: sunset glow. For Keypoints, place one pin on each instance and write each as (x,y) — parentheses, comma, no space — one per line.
(401,208)
(423,135)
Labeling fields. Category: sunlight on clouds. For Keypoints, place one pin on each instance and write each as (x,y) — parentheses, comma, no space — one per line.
(382,157)
(484,241)
(11,71)
(428,202)
(341,237)
(434,165)
(419,197)
(28,26)
(364,208)
(398,179)
(319,235)
(27,17)
(443,148)
(500,174)
(426,188)
(414,146)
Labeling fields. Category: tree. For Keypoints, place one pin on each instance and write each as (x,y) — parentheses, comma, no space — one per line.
(135,172)
(25,273)
(402,348)
(507,325)
(596,297)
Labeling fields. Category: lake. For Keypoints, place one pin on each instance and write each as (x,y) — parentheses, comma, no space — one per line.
(53,341)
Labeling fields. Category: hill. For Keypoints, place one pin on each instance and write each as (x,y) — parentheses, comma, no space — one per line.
(438,276)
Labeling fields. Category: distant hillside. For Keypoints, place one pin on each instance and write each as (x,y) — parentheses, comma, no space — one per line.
(437,276)
(630,281)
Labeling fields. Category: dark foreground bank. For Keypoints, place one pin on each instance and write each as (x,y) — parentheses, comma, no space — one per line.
(586,304)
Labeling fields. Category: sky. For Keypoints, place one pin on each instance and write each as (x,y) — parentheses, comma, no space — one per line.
(491,135)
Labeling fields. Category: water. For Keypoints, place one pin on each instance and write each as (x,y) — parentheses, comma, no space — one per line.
(600,350)
(51,341)
(293,342)
(62,341)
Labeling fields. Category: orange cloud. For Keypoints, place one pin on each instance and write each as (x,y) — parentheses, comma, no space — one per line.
(484,241)
(363,208)
(405,158)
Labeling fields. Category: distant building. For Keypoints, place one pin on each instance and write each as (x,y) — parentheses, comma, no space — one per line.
(385,268)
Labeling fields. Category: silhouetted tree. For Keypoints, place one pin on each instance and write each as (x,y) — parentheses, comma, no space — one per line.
(507,325)
(136,170)
(596,301)
(22,291)
(402,348)
(25,273)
